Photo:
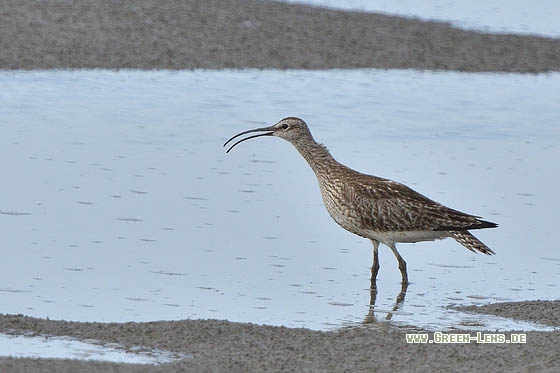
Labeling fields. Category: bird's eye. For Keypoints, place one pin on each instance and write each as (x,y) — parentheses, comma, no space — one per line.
(285,126)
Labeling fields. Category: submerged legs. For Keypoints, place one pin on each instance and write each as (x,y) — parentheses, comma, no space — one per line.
(370,317)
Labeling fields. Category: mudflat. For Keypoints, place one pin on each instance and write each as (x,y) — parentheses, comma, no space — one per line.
(214,34)
(221,346)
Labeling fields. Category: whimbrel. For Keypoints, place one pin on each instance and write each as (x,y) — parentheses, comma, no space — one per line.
(382,210)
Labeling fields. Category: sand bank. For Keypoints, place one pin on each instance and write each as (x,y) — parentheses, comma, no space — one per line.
(226,346)
(212,34)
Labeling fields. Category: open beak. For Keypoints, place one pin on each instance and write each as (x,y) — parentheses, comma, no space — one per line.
(269,131)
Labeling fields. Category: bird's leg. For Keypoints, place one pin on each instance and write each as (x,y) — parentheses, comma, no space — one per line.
(375,266)
(370,317)
(402,264)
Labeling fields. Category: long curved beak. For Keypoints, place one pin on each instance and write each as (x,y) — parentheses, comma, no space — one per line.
(269,132)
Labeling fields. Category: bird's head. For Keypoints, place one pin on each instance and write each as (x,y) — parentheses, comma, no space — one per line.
(291,129)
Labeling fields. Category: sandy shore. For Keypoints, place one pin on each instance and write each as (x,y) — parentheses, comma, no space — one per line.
(225,346)
(177,34)
(156,34)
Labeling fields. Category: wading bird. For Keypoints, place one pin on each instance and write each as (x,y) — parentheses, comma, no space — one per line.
(382,210)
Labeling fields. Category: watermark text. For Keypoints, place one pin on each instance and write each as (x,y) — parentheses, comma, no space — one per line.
(480,337)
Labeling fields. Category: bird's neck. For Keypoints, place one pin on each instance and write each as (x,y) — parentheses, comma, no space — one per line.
(317,156)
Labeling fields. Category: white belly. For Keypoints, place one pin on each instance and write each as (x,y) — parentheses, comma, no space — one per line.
(389,238)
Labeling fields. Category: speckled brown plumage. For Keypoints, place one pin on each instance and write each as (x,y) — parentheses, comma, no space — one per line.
(372,207)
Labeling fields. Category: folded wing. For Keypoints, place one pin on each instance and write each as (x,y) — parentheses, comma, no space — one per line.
(386,205)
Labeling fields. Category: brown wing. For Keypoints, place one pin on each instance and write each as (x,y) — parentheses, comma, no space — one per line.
(386,205)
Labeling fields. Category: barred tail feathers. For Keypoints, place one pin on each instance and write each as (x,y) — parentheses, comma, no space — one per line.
(469,241)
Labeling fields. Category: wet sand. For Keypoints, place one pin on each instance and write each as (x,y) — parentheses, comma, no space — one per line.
(213,34)
(226,346)
(541,312)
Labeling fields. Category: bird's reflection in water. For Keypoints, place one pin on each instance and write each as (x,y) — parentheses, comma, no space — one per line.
(370,317)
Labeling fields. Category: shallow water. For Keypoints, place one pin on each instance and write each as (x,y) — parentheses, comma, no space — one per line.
(119,202)
(70,348)
(510,16)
